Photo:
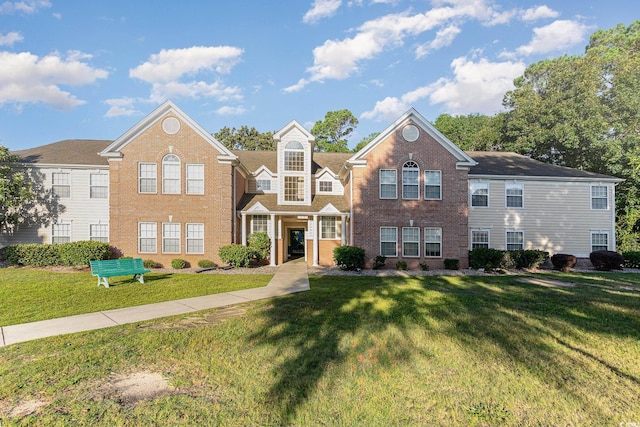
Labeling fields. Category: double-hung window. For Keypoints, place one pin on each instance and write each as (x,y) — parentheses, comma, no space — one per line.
(433,242)
(61,233)
(259,224)
(195,238)
(514,195)
(599,241)
(410,242)
(98,186)
(479,194)
(599,197)
(325,186)
(171,238)
(479,239)
(432,185)
(99,232)
(389,241)
(515,240)
(388,184)
(263,184)
(147,178)
(147,237)
(62,184)
(410,181)
(328,227)
(171,174)
(195,179)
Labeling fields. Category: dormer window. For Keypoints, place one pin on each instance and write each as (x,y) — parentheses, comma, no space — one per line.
(294,157)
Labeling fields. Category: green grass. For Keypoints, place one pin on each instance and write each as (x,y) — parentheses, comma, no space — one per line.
(28,295)
(479,351)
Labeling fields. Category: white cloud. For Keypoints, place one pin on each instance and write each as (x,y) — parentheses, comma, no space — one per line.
(339,59)
(122,107)
(540,12)
(24,6)
(160,92)
(477,87)
(321,9)
(557,36)
(58,16)
(10,38)
(443,38)
(27,78)
(231,111)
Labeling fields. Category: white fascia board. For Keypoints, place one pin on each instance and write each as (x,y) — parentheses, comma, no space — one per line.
(58,166)
(545,178)
(293,124)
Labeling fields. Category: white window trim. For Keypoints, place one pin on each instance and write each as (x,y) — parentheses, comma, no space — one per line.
(59,223)
(336,228)
(53,184)
(179,238)
(506,238)
(404,255)
(325,181)
(187,238)
(425,242)
(140,251)
(101,224)
(264,190)
(187,179)
(395,197)
(388,241)
(91,186)
(591,197)
(511,186)
(178,179)
(439,185)
(417,184)
(477,185)
(140,179)
(605,232)
(483,230)
(253,230)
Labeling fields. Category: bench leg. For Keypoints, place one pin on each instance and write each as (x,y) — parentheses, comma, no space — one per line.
(103,281)
(139,278)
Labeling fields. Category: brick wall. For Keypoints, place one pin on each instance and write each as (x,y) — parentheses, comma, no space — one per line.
(450,213)
(128,207)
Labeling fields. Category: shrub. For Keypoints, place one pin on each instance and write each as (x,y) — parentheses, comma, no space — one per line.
(149,263)
(563,262)
(236,255)
(452,264)
(178,263)
(348,257)
(486,258)
(631,259)
(606,260)
(491,259)
(379,261)
(424,266)
(205,263)
(260,244)
(80,253)
(401,265)
(42,255)
(529,258)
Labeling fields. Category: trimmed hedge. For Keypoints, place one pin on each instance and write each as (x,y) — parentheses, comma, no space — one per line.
(631,259)
(68,254)
(261,245)
(206,263)
(563,262)
(178,263)
(236,255)
(606,260)
(451,264)
(349,257)
(491,259)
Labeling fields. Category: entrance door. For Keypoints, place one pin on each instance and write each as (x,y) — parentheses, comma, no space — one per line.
(296,243)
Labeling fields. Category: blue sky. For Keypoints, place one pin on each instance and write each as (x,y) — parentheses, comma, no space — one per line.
(92,69)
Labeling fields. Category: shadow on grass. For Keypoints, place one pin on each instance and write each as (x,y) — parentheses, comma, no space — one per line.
(540,329)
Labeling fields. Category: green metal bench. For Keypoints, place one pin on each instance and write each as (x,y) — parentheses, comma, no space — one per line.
(118,267)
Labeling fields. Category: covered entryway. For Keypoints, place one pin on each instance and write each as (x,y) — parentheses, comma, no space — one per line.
(296,243)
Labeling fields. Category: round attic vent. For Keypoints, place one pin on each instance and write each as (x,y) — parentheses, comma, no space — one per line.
(171,125)
(410,133)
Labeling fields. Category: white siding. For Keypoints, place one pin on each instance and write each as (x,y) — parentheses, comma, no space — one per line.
(337,189)
(556,217)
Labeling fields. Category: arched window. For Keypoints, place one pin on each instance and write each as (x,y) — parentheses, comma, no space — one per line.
(171,174)
(410,180)
(294,156)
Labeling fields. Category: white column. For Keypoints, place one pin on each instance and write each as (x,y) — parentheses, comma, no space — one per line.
(316,245)
(343,231)
(244,229)
(273,241)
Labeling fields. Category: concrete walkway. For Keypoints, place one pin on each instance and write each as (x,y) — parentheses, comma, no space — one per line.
(291,277)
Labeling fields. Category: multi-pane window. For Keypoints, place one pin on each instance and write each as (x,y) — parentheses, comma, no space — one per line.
(389,241)
(62,184)
(171,238)
(410,181)
(599,197)
(515,240)
(514,195)
(263,184)
(195,238)
(410,241)
(433,185)
(433,242)
(61,233)
(479,239)
(171,174)
(99,232)
(294,156)
(599,241)
(98,186)
(294,188)
(388,184)
(147,178)
(328,227)
(259,224)
(326,186)
(480,194)
(147,237)
(195,179)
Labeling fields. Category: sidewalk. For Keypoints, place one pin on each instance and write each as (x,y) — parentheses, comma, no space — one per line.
(291,277)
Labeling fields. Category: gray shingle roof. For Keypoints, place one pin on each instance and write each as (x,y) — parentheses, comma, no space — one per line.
(66,152)
(494,163)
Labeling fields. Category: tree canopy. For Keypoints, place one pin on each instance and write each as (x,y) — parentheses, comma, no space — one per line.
(333,132)
(245,138)
(472,131)
(15,191)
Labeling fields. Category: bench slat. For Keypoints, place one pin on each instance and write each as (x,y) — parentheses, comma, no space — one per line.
(118,267)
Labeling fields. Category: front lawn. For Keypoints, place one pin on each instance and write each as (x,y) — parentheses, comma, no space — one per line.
(29,295)
(480,351)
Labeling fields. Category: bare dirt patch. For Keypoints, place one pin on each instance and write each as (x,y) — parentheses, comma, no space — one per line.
(546,282)
(26,407)
(207,319)
(131,388)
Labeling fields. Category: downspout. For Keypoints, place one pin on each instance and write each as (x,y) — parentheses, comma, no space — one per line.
(351,206)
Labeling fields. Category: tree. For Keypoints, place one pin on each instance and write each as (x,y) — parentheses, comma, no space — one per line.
(245,138)
(15,192)
(472,131)
(364,141)
(332,132)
